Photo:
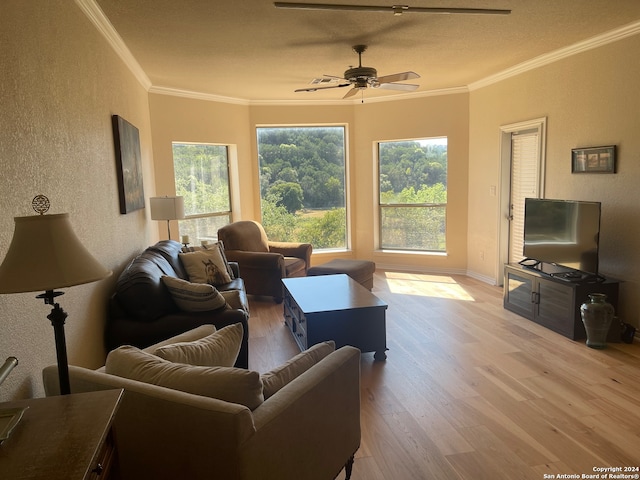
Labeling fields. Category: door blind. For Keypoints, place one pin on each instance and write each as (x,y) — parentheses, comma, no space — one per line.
(524,184)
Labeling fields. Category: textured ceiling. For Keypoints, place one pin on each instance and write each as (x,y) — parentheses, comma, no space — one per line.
(249,50)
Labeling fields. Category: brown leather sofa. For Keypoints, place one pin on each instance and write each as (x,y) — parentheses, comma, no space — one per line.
(263,263)
(142,312)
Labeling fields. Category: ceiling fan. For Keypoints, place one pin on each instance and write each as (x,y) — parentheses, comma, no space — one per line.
(361,78)
(395,9)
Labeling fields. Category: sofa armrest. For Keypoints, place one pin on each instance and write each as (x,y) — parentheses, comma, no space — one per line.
(317,412)
(162,433)
(235,268)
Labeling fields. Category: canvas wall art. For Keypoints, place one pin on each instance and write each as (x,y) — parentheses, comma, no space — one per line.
(129,165)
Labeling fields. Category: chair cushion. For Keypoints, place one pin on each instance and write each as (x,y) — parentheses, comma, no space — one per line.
(294,267)
(235,385)
(277,378)
(194,297)
(206,266)
(219,349)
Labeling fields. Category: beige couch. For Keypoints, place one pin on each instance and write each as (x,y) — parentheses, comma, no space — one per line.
(309,429)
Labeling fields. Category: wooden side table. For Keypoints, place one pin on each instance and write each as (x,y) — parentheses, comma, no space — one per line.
(63,437)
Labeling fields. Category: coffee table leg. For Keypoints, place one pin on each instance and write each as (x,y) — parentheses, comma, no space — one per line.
(380,355)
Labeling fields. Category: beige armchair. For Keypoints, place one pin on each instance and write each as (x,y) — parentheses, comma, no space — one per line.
(309,429)
(263,263)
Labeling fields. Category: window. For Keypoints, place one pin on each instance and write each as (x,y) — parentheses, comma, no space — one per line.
(302,184)
(413,194)
(202,178)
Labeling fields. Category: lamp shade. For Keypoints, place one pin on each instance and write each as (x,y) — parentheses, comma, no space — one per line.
(46,254)
(166,208)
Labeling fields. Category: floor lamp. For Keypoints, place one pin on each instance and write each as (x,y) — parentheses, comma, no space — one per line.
(167,208)
(44,255)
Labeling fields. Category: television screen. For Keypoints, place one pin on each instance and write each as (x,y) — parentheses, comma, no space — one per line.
(562,232)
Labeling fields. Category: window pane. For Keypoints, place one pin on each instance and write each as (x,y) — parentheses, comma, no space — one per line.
(413,174)
(413,228)
(302,184)
(202,177)
(204,228)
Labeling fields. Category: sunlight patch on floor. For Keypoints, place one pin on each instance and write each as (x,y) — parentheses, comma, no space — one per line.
(436,286)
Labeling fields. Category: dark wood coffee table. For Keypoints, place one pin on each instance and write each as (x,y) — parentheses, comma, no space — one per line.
(335,307)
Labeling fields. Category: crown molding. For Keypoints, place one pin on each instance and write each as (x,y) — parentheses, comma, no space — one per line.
(551,57)
(334,102)
(177,92)
(95,14)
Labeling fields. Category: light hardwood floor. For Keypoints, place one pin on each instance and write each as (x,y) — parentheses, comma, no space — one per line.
(472,391)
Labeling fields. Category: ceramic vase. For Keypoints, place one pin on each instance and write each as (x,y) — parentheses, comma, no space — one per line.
(597,315)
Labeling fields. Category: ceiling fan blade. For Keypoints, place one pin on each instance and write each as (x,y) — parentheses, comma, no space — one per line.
(313,89)
(351,92)
(398,77)
(409,87)
(395,9)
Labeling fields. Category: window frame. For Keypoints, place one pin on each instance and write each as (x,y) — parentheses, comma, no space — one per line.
(228,214)
(382,206)
(346,193)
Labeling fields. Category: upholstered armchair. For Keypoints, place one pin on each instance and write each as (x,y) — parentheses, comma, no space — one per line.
(263,263)
(307,428)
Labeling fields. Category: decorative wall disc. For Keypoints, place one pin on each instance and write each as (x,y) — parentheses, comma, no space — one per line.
(40,204)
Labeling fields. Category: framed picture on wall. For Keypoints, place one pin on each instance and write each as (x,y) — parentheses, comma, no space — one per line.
(128,164)
(594,160)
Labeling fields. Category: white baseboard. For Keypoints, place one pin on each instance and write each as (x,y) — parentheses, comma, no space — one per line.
(482,278)
(436,271)
(404,268)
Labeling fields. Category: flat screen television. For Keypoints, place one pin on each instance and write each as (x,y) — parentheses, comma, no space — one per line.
(562,232)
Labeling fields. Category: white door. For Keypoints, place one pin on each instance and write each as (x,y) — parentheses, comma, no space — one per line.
(522,157)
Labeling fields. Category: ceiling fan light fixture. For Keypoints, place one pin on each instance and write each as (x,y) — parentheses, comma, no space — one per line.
(360,72)
(360,78)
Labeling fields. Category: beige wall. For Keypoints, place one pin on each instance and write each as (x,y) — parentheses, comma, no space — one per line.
(178,119)
(445,115)
(589,99)
(60,83)
(182,119)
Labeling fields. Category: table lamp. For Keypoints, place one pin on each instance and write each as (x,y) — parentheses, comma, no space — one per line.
(44,255)
(167,208)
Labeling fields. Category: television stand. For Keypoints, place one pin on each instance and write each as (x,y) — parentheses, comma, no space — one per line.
(546,295)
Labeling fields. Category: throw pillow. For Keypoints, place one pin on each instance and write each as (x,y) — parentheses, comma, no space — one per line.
(193,297)
(277,378)
(235,385)
(220,246)
(220,349)
(205,266)
(211,246)
(234,300)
